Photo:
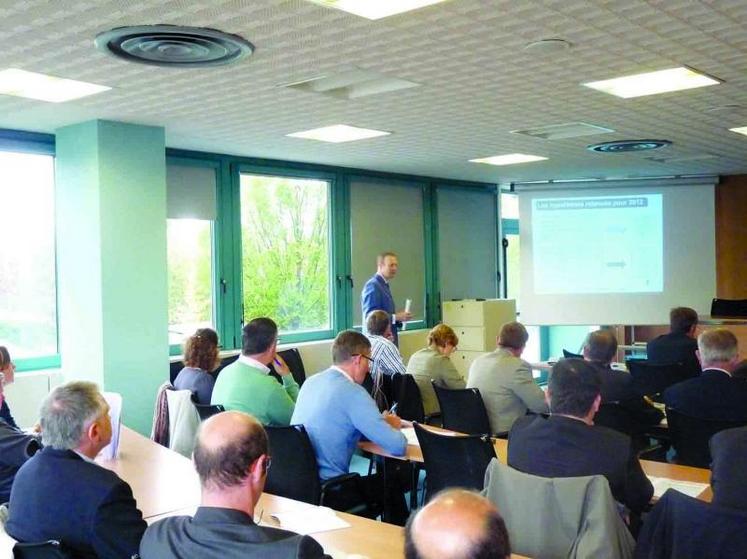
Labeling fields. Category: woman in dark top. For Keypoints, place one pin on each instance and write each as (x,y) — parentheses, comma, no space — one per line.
(200,359)
(8,369)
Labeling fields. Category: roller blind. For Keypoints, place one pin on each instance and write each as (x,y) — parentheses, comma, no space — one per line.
(191,192)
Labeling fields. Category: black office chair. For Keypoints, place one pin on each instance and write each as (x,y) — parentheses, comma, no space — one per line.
(462,410)
(614,416)
(51,549)
(570,355)
(292,358)
(208,410)
(653,380)
(454,460)
(690,436)
(408,400)
(294,473)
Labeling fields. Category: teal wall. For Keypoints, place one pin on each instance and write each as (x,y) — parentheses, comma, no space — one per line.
(570,338)
(111,231)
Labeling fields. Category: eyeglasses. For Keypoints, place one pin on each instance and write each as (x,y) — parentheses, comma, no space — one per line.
(366,357)
(268,463)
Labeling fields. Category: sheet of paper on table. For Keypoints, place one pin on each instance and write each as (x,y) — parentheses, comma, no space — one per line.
(410,435)
(310,520)
(691,488)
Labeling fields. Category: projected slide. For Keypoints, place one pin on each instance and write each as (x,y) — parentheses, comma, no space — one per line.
(600,244)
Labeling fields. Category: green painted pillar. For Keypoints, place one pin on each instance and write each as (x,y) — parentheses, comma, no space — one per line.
(111,260)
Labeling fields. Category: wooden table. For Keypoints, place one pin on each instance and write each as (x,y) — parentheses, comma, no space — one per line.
(165,483)
(657,469)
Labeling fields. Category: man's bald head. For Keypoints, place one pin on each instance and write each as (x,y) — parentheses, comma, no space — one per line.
(227,445)
(457,524)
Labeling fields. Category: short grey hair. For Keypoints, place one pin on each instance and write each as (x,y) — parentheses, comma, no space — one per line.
(68,411)
(717,345)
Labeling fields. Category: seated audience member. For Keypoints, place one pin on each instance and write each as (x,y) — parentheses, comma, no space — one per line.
(740,371)
(200,360)
(337,411)
(600,349)
(505,380)
(568,444)
(728,472)
(457,524)
(231,458)
(8,369)
(433,363)
(61,494)
(386,357)
(246,385)
(16,447)
(679,345)
(715,394)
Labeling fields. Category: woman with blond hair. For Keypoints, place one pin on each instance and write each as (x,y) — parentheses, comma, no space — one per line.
(433,363)
(200,359)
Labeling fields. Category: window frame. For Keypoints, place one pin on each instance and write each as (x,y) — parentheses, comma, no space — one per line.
(20,141)
(283,172)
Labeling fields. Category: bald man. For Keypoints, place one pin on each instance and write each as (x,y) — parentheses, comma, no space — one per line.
(231,458)
(457,524)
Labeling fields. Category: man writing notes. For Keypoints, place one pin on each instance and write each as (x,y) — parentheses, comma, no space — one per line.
(232,458)
(246,385)
(376,294)
(337,412)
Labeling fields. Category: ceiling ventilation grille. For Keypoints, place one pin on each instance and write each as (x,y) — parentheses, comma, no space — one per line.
(562,131)
(351,84)
(627,146)
(173,45)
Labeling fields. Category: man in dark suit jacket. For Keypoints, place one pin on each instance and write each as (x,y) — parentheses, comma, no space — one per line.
(680,345)
(715,394)
(617,387)
(728,474)
(568,444)
(62,494)
(231,458)
(376,295)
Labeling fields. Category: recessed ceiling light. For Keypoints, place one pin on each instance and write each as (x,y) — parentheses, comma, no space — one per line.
(547,46)
(508,159)
(338,133)
(45,88)
(650,83)
(376,9)
(740,130)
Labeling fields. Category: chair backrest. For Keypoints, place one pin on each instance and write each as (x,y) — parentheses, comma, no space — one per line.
(292,358)
(454,460)
(408,401)
(690,436)
(208,410)
(570,355)
(652,380)
(462,410)
(51,549)
(294,472)
(615,416)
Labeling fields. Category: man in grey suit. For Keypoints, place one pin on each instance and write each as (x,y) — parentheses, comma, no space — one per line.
(231,458)
(505,380)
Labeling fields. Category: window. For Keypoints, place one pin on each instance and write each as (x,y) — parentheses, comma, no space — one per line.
(285,258)
(28,295)
(190,272)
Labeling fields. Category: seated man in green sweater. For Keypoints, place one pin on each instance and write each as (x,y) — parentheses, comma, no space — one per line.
(246,384)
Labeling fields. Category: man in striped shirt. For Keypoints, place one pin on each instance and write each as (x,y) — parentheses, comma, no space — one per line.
(386,357)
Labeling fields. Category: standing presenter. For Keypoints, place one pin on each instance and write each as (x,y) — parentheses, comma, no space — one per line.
(376,294)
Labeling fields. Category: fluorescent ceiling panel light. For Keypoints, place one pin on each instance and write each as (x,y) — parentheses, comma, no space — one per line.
(338,133)
(509,159)
(740,130)
(376,9)
(650,83)
(45,88)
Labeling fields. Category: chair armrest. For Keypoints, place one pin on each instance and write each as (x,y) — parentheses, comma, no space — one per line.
(429,419)
(500,435)
(345,479)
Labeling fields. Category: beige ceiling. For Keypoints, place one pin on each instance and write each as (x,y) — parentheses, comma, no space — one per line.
(478,82)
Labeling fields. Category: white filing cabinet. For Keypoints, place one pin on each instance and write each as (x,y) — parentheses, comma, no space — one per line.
(477,323)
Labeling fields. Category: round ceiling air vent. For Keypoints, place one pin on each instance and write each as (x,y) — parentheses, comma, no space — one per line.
(625,146)
(173,45)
